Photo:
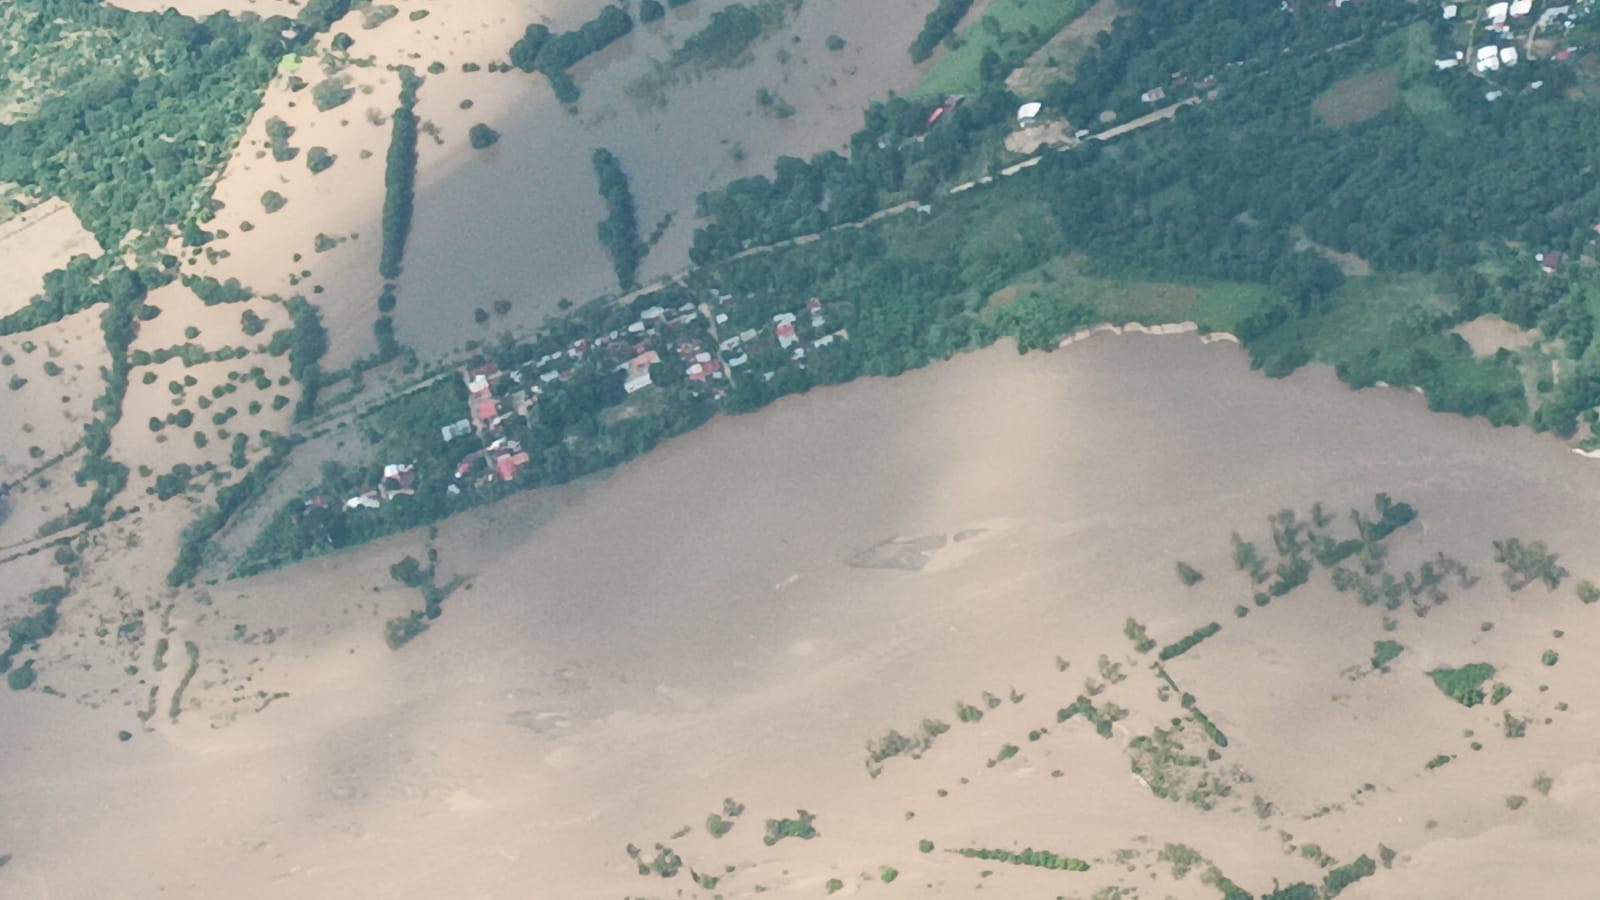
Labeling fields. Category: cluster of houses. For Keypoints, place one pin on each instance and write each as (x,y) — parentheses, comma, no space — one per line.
(689,336)
(398,480)
(1500,22)
(1178,80)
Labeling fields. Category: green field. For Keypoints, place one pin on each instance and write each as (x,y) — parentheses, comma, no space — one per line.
(1012,28)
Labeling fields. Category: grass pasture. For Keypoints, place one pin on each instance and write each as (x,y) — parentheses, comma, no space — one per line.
(1357,98)
(1012,28)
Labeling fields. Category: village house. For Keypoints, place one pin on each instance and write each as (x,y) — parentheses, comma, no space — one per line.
(398,480)
(457,429)
(638,371)
(1549,262)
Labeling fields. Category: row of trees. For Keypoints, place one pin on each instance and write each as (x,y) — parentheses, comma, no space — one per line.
(541,50)
(938,25)
(400,175)
(619,231)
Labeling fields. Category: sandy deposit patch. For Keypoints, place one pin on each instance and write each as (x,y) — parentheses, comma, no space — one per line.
(1058,59)
(35,242)
(1488,335)
(609,681)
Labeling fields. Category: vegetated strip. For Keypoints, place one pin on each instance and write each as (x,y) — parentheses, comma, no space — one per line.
(197,536)
(400,174)
(193,651)
(939,24)
(619,232)
(541,50)
(1043,859)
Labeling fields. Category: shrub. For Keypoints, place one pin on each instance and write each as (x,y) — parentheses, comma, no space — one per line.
(331,93)
(1549,657)
(1384,652)
(22,678)
(1189,575)
(651,11)
(278,134)
(1465,684)
(1588,592)
(319,160)
(925,845)
(481,136)
(272,201)
(834,43)
(834,885)
(400,630)
(798,827)
(888,874)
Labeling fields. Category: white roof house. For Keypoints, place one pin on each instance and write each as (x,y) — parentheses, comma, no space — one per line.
(823,341)
(1442,64)
(1450,10)
(784,318)
(1153,95)
(1027,112)
(729,344)
(739,360)
(1520,8)
(1497,12)
(1508,56)
(747,335)
(1488,59)
(702,357)
(549,376)
(458,429)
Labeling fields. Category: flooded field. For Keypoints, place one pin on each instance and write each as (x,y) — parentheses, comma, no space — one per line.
(735,616)
(517,222)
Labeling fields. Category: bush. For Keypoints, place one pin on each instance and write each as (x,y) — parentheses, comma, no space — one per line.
(400,630)
(22,678)
(888,874)
(331,93)
(251,324)
(278,134)
(1384,652)
(1465,684)
(481,136)
(1189,575)
(834,43)
(319,160)
(272,201)
(651,11)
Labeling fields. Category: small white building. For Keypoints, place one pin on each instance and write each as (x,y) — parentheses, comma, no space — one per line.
(1154,95)
(738,361)
(1508,56)
(1488,59)
(1451,10)
(1497,12)
(1520,8)
(748,335)
(1443,64)
(458,429)
(1027,112)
